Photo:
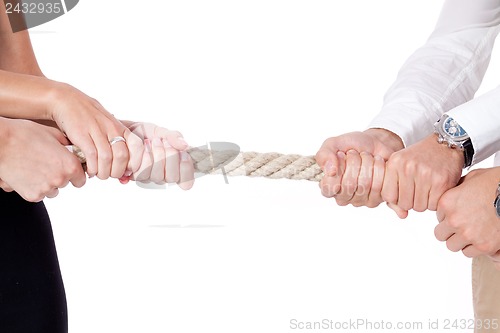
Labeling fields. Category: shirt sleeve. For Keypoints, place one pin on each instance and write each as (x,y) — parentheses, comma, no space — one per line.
(445,73)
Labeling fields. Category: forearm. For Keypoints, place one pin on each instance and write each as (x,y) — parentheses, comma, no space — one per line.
(443,73)
(25,96)
(16,51)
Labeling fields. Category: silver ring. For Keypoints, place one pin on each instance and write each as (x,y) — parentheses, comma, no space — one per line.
(116,139)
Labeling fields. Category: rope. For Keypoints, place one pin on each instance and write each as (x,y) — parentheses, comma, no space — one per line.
(251,164)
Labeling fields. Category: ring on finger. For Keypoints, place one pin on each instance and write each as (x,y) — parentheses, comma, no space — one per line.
(116,139)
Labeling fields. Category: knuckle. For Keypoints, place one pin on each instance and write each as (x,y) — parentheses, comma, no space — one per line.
(453,222)
(33,197)
(485,247)
(105,157)
(121,154)
(445,203)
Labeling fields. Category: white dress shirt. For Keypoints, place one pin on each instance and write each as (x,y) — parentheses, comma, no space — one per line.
(442,77)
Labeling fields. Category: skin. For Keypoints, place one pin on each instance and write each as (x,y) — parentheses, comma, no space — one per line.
(423,176)
(41,162)
(357,177)
(69,116)
(467,218)
(414,177)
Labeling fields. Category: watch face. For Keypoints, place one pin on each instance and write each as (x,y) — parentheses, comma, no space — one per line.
(452,128)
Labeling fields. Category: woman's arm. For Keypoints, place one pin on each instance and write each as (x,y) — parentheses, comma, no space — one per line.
(16,51)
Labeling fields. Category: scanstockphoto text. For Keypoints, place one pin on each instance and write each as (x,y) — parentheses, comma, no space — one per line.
(370,325)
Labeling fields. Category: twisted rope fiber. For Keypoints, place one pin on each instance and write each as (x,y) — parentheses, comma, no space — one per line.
(251,164)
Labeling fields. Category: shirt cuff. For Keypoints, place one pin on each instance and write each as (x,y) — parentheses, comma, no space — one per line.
(410,125)
(480,118)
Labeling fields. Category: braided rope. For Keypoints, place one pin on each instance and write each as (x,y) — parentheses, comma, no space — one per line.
(251,164)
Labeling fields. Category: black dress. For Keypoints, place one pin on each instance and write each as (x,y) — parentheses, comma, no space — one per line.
(32,297)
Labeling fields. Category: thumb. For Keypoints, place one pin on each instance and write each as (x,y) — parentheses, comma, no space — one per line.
(176,140)
(402,214)
(383,150)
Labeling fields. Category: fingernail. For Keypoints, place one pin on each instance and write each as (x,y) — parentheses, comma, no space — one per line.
(184,156)
(352,151)
(330,169)
(166,144)
(379,158)
(127,173)
(124,180)
(147,145)
(157,142)
(341,154)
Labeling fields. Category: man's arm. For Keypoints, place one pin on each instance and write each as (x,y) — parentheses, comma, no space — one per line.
(439,76)
(444,73)
(468,221)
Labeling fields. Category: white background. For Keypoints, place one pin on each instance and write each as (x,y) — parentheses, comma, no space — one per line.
(253,254)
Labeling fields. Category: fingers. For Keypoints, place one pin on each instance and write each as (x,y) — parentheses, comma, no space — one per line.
(53,193)
(401,213)
(365,179)
(6,187)
(143,173)
(390,187)
(349,184)
(135,147)
(327,159)
(158,168)
(186,172)
(172,163)
(161,163)
(175,139)
(442,232)
(375,195)
(331,185)
(120,158)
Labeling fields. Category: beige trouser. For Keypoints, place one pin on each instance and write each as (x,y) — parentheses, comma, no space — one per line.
(486,295)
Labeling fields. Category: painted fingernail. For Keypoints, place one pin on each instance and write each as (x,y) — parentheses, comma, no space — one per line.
(184,156)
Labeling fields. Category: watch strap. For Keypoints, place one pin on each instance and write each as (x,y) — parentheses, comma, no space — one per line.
(468,149)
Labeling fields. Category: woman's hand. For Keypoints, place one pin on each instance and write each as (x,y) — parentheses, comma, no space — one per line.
(90,126)
(34,161)
(164,159)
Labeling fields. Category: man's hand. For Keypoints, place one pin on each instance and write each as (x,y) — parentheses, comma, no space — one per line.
(348,162)
(467,218)
(416,177)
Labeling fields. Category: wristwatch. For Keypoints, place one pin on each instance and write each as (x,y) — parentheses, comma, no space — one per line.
(451,133)
(496,203)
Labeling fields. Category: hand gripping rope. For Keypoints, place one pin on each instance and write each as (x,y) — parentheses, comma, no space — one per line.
(226,158)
